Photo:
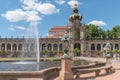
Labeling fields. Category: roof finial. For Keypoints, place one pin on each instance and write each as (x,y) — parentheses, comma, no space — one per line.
(75,6)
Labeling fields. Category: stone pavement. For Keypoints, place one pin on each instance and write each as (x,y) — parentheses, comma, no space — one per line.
(114,75)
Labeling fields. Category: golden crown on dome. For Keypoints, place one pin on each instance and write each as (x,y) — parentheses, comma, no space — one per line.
(75,6)
(75,15)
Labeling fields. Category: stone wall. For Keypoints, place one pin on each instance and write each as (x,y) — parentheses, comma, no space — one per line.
(45,74)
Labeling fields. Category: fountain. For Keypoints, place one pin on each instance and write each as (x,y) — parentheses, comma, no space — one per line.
(30,49)
(34,25)
(31,45)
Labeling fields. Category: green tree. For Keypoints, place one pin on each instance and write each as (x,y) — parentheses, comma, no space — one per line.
(76,50)
(93,31)
(113,33)
(116,51)
(109,34)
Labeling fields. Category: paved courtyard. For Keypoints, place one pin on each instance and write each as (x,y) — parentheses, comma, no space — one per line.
(114,75)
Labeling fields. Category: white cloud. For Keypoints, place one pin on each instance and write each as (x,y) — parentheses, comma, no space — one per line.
(20,15)
(97,23)
(30,11)
(11,28)
(14,27)
(43,8)
(28,4)
(72,2)
(46,8)
(60,2)
(20,27)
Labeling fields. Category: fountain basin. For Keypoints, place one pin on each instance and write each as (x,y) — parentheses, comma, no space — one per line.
(27,75)
(42,74)
(33,65)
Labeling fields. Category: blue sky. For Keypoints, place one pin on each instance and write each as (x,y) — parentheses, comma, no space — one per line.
(16,15)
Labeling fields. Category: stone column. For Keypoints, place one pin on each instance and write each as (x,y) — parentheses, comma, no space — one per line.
(83,47)
(11,47)
(17,47)
(113,46)
(46,47)
(95,47)
(71,49)
(108,61)
(102,47)
(52,46)
(58,50)
(66,66)
(5,47)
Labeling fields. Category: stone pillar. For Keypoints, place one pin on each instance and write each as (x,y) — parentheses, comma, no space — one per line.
(66,73)
(58,47)
(11,47)
(17,45)
(5,47)
(83,47)
(52,46)
(95,47)
(71,49)
(108,61)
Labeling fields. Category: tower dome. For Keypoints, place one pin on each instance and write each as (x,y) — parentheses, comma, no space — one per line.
(75,15)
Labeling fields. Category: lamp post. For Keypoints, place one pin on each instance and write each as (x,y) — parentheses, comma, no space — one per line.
(108,53)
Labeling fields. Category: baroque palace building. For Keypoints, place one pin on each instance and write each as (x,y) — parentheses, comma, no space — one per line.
(52,43)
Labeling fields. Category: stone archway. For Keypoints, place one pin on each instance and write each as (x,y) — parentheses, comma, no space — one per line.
(98,47)
(14,47)
(20,46)
(117,46)
(8,46)
(78,46)
(92,47)
(3,47)
(49,47)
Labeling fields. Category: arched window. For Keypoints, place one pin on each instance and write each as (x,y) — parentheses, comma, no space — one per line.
(92,46)
(98,47)
(116,46)
(55,46)
(3,46)
(43,47)
(8,46)
(14,47)
(61,47)
(20,47)
(50,47)
(77,45)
